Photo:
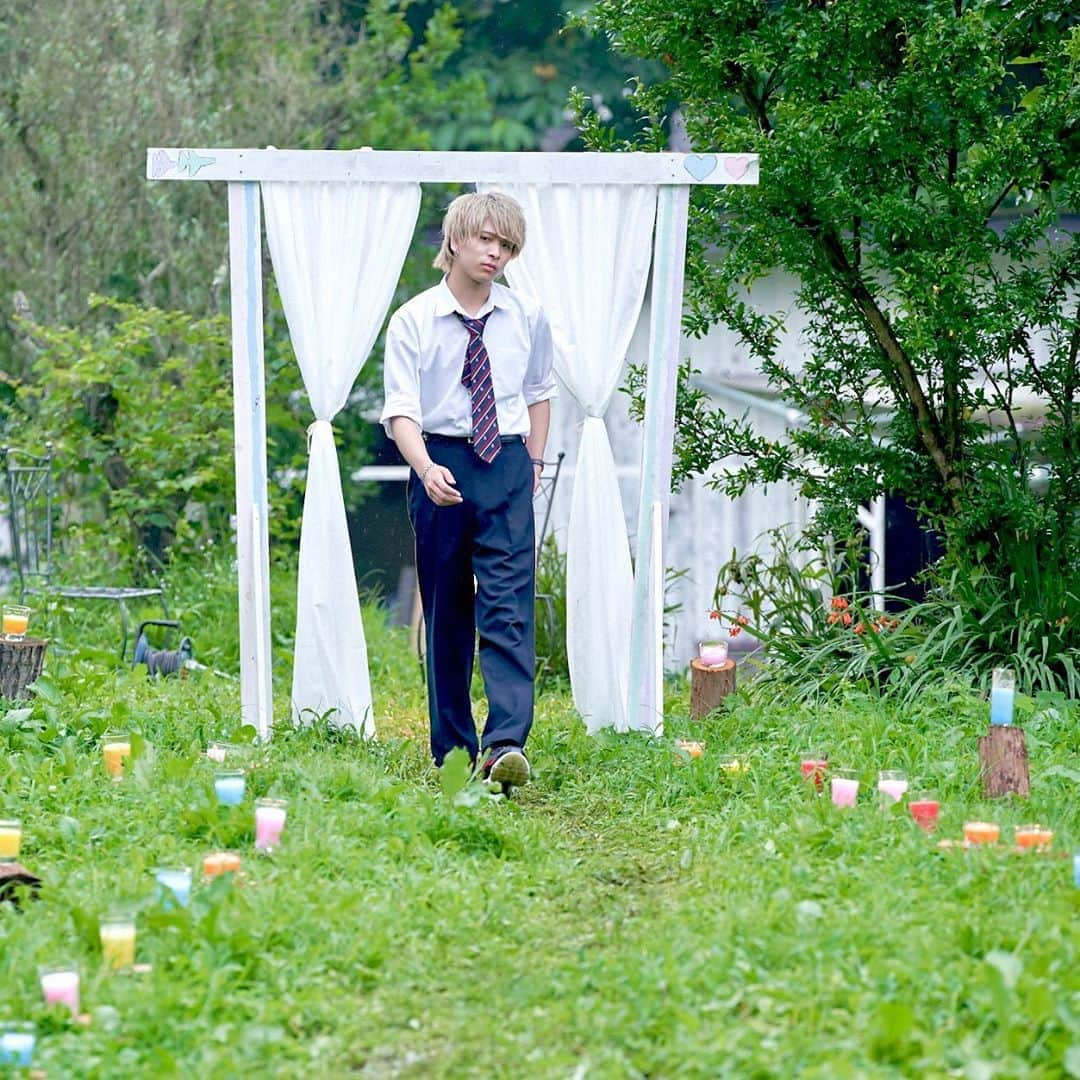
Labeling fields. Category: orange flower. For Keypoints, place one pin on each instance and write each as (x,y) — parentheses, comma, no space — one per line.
(846,617)
(735,631)
(839,603)
(833,617)
(859,628)
(714,614)
(742,620)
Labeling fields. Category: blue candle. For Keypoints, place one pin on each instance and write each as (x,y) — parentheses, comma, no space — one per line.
(1001,705)
(229,788)
(17,1047)
(1076,869)
(174,887)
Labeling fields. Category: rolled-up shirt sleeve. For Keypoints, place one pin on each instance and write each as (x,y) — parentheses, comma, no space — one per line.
(539,383)
(401,372)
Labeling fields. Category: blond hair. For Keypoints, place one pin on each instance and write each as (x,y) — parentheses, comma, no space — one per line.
(465,218)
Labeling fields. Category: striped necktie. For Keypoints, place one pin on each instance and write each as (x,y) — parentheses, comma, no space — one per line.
(476,378)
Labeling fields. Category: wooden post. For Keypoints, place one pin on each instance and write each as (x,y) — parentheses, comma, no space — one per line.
(1003,762)
(20,664)
(709,686)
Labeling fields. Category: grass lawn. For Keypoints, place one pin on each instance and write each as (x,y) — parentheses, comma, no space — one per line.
(632,913)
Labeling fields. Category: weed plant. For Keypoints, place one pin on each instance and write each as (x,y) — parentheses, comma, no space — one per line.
(631,913)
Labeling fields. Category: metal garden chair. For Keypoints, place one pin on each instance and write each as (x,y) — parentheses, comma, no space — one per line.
(29,486)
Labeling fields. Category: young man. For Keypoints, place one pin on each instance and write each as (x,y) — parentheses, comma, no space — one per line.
(468,377)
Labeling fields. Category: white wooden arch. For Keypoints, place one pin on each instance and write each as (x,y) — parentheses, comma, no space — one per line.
(244,170)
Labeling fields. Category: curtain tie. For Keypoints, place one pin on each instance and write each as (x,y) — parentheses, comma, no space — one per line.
(311,430)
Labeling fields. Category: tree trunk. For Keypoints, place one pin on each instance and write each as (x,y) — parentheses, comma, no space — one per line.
(709,686)
(1003,761)
(20,664)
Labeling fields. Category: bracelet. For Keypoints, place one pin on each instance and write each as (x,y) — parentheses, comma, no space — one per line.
(537,461)
(423,476)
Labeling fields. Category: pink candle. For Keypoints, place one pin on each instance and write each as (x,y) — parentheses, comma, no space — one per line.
(269,822)
(845,789)
(61,987)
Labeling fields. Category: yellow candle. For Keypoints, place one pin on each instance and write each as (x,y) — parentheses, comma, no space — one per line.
(10,839)
(221,862)
(15,624)
(118,944)
(115,752)
(981,832)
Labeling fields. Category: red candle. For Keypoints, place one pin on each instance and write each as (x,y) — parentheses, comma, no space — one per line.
(814,769)
(925,812)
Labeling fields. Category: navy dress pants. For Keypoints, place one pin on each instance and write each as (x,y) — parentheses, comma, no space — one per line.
(489,536)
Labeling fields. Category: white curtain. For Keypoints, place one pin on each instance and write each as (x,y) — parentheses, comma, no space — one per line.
(586,260)
(337,250)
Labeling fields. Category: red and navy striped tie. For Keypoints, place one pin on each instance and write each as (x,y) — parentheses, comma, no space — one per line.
(476,378)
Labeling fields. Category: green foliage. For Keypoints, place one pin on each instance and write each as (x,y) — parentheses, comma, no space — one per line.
(87,90)
(635,911)
(916,163)
(821,633)
(551,656)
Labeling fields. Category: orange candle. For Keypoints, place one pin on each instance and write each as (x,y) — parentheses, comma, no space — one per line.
(981,832)
(221,862)
(15,624)
(1033,836)
(115,749)
(694,749)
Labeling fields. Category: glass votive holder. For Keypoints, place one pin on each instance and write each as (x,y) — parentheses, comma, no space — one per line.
(981,832)
(173,886)
(15,621)
(1028,837)
(1076,869)
(229,786)
(10,839)
(60,986)
(690,746)
(813,768)
(220,862)
(117,931)
(17,1042)
(115,747)
(845,787)
(892,786)
(269,822)
(220,752)
(713,653)
(1002,696)
(924,807)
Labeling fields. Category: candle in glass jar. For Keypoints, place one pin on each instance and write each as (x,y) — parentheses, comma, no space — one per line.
(118,940)
(713,653)
(17,1041)
(1033,836)
(115,747)
(221,862)
(924,808)
(269,823)
(174,885)
(60,986)
(10,840)
(845,787)
(892,785)
(814,768)
(981,832)
(1002,697)
(229,787)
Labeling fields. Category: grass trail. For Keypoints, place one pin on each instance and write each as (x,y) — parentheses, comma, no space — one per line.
(630,914)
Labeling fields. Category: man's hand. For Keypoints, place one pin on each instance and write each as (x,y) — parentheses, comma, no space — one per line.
(538,468)
(440,485)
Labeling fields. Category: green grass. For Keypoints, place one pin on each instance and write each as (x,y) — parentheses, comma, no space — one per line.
(630,914)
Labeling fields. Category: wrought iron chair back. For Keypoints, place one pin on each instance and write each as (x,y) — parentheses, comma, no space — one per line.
(29,488)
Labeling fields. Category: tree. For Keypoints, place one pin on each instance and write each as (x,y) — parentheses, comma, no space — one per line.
(85,89)
(918,162)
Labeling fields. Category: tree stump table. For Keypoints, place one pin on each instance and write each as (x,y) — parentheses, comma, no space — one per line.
(709,686)
(1003,762)
(12,875)
(20,664)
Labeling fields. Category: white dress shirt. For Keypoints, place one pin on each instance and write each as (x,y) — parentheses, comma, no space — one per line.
(425,354)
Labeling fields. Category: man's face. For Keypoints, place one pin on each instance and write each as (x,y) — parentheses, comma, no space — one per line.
(483,257)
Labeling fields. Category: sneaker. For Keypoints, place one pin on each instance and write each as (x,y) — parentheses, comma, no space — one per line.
(506,765)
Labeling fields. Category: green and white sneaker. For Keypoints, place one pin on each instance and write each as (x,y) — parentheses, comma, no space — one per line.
(507,766)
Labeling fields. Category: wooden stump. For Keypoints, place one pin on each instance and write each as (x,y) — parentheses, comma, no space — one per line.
(709,686)
(1003,762)
(13,874)
(20,664)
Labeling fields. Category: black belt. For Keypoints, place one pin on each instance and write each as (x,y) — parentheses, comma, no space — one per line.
(466,440)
